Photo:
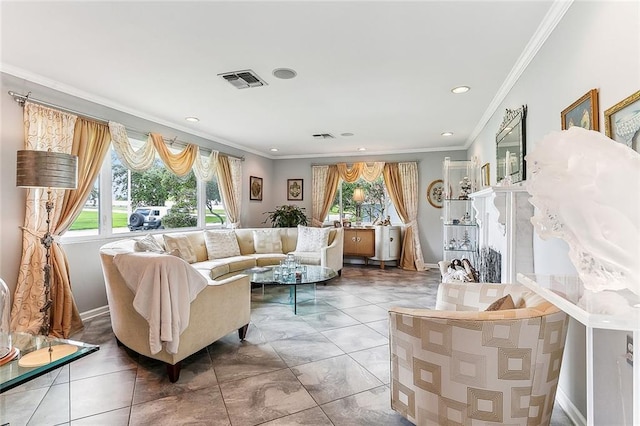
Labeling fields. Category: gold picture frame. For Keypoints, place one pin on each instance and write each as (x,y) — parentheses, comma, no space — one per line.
(435,193)
(255,188)
(583,112)
(486,175)
(622,121)
(295,189)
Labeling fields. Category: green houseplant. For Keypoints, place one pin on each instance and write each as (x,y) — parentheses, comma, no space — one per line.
(287,216)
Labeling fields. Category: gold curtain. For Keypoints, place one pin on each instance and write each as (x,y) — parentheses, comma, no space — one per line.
(360,170)
(400,182)
(44,129)
(90,143)
(325,180)
(229,190)
(180,164)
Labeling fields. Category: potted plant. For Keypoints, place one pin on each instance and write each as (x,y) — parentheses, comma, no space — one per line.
(287,216)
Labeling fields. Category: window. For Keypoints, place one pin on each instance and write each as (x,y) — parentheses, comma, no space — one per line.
(87,223)
(146,201)
(214,209)
(376,205)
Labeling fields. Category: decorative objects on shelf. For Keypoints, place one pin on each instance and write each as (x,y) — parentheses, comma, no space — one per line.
(255,188)
(435,193)
(294,189)
(459,227)
(511,147)
(622,121)
(584,186)
(465,188)
(583,112)
(49,170)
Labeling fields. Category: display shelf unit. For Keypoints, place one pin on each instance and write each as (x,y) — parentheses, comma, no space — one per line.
(613,386)
(460,231)
(503,215)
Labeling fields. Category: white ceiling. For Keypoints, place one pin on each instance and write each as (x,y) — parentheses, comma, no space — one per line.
(380,70)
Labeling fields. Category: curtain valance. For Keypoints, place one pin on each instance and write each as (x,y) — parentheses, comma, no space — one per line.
(142,159)
(360,170)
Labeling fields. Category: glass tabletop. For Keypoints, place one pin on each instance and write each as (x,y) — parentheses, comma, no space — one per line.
(310,274)
(12,374)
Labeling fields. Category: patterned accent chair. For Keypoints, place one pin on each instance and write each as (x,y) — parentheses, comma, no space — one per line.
(462,365)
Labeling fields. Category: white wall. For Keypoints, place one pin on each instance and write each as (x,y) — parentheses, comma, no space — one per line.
(596,45)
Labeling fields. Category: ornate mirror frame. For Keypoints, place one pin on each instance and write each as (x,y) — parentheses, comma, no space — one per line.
(511,138)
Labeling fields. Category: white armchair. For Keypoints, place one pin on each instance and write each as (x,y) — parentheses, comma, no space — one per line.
(464,365)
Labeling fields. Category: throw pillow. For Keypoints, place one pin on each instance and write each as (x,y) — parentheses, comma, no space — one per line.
(312,239)
(148,243)
(182,244)
(267,241)
(502,304)
(221,244)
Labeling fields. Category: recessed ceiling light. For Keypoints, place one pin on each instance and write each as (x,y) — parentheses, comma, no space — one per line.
(192,119)
(346,134)
(460,89)
(446,134)
(284,73)
(362,149)
(274,150)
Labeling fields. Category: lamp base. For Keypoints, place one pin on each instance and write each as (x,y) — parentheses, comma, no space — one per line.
(46,355)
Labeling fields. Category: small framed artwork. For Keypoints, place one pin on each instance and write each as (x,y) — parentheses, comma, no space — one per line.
(346,224)
(294,189)
(622,121)
(486,175)
(583,112)
(255,188)
(337,224)
(435,193)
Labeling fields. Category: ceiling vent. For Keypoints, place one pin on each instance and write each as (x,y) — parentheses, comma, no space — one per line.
(243,79)
(324,136)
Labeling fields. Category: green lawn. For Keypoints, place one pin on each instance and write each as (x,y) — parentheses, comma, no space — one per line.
(88,219)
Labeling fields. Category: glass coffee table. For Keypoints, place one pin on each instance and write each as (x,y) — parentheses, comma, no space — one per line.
(265,276)
(15,372)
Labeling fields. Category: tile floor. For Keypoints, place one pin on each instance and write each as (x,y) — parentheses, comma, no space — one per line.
(328,365)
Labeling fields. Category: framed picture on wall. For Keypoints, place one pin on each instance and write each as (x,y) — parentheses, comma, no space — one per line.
(294,189)
(622,121)
(486,175)
(255,188)
(583,112)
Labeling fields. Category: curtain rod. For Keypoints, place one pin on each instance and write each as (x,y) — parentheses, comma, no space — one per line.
(21,99)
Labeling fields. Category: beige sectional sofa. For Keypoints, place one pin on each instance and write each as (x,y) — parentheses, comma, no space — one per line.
(217,268)
(225,303)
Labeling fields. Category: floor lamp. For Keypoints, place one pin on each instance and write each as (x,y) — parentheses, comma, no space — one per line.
(50,170)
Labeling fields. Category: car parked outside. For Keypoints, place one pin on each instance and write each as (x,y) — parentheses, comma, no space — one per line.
(145,218)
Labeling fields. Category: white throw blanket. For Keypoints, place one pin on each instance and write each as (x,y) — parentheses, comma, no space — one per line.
(164,287)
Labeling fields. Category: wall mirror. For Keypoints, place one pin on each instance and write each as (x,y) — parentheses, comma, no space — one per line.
(511,146)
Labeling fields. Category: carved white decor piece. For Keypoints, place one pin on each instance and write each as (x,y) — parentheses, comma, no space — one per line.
(586,189)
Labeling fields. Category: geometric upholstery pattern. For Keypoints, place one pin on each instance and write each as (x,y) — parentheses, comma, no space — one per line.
(466,366)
